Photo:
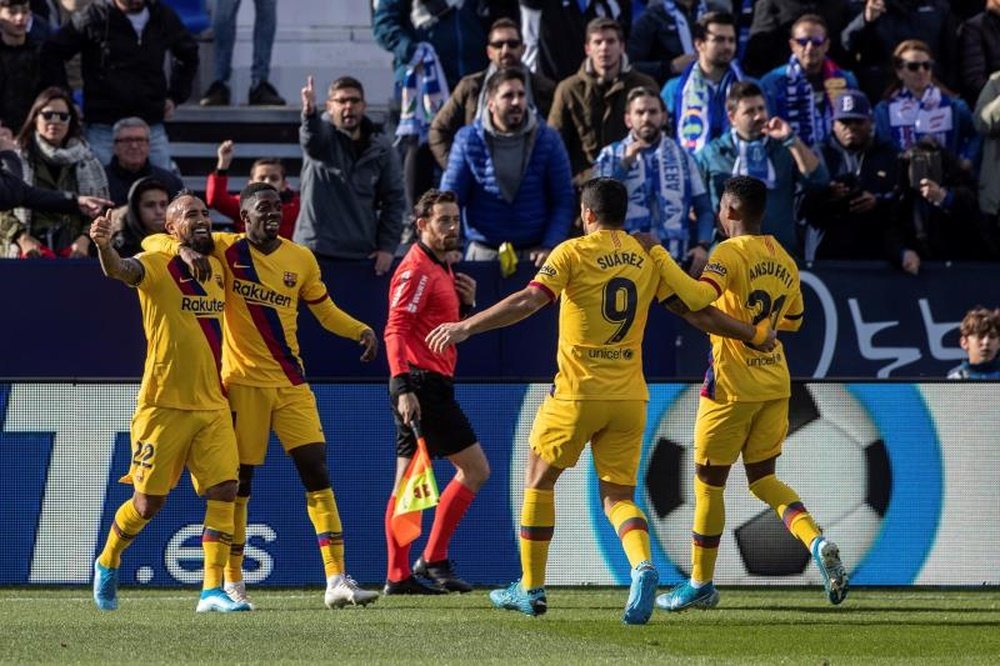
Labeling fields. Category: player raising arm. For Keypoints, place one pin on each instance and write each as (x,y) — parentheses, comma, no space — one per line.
(266,277)
(181,415)
(606,282)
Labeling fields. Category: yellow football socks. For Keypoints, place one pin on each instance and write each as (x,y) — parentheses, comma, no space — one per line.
(706,530)
(788,506)
(322,508)
(127,524)
(633,529)
(538,520)
(216,538)
(234,567)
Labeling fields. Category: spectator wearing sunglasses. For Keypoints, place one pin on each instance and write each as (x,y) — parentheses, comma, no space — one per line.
(504,48)
(919,106)
(870,38)
(54,156)
(772,23)
(802,91)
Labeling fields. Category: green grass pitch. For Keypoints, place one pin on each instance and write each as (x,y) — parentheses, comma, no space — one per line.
(751,626)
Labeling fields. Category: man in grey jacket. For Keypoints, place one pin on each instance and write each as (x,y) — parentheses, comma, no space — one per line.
(987,121)
(352,185)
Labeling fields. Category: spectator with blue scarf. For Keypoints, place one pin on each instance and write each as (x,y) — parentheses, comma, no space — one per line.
(918,106)
(663,183)
(769,150)
(696,100)
(803,90)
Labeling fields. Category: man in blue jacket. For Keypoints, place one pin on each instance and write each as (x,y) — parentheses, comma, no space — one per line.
(512,177)
(767,149)
(802,91)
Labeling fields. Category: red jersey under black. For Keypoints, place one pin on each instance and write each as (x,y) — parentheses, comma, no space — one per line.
(421,296)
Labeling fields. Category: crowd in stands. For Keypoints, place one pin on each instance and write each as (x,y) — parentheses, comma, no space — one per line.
(874,123)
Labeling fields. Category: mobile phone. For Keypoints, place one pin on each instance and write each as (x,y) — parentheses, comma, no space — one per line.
(924,165)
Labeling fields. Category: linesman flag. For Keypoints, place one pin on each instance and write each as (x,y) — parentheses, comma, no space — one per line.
(417,491)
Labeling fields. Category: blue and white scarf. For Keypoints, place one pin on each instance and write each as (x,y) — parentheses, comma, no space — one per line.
(425,91)
(659,190)
(683,29)
(811,124)
(912,119)
(700,107)
(752,160)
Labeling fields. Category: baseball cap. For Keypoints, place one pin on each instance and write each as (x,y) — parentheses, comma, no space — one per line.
(851,104)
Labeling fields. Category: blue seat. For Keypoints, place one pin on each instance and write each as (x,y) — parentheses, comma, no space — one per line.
(193,13)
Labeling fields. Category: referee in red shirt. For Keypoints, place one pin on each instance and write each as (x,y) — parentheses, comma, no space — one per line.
(424,293)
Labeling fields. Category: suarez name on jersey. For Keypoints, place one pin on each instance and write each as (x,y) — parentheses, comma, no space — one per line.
(605,282)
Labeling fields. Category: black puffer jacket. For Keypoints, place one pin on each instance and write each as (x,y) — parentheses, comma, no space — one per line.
(979,41)
(122,72)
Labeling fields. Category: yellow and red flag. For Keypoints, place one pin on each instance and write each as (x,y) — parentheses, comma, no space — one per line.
(417,491)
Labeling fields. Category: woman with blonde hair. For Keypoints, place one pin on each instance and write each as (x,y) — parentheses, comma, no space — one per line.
(54,156)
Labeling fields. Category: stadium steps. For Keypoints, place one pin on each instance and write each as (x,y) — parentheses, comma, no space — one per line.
(195,133)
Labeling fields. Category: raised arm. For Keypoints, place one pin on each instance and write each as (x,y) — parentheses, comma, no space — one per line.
(519,305)
(129,271)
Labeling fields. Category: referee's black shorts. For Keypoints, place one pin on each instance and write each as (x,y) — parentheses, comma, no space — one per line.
(445,427)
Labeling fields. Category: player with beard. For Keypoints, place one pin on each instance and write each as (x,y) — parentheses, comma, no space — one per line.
(181,417)
(266,276)
(425,292)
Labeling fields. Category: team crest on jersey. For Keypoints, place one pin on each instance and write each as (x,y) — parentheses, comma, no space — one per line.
(218,281)
(291,279)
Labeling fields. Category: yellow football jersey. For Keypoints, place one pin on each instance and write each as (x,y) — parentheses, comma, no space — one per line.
(756,280)
(182,319)
(606,282)
(261,341)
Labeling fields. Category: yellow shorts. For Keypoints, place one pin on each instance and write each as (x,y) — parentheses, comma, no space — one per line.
(288,410)
(613,427)
(725,430)
(164,440)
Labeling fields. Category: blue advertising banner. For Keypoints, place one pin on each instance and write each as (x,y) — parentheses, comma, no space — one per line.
(902,476)
(64,319)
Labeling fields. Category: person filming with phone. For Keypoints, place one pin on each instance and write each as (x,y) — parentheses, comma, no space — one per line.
(939,219)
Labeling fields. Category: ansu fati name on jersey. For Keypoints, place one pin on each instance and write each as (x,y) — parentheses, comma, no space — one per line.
(773,268)
(256,293)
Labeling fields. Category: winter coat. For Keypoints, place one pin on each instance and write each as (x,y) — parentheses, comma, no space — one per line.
(590,114)
(123,72)
(544,206)
(352,204)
